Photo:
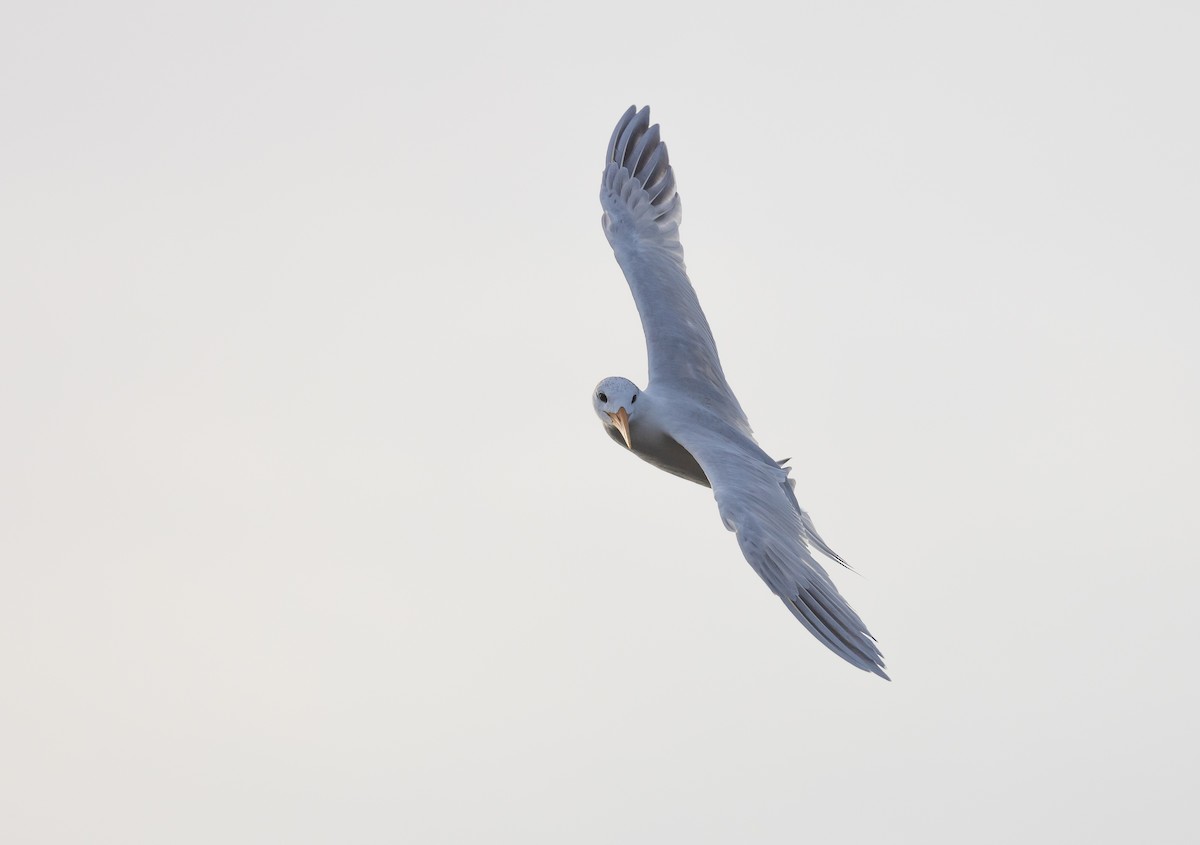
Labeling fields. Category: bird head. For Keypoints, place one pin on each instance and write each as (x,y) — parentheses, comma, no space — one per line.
(615,403)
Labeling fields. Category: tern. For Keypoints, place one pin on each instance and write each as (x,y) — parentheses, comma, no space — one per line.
(686,420)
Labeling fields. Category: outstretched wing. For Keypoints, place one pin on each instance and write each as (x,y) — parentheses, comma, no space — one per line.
(641,219)
(754,496)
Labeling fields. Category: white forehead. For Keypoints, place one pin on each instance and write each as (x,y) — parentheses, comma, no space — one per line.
(616,386)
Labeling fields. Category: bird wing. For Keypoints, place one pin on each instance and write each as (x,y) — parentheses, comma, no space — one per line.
(756,501)
(641,219)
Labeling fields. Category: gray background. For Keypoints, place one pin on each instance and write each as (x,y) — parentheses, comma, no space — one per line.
(309,533)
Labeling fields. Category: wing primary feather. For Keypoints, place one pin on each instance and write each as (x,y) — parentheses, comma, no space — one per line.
(632,131)
(618,130)
(822,620)
(648,141)
(838,611)
(815,615)
(653,170)
(860,642)
(852,640)
(806,615)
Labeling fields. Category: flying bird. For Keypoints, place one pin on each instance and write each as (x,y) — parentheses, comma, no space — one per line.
(687,421)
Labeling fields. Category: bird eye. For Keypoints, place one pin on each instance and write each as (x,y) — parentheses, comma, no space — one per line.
(601,397)
(634,399)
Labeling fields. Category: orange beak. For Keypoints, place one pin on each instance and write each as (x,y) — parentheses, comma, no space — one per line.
(621,421)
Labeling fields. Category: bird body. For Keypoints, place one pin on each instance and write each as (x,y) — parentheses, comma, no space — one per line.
(687,420)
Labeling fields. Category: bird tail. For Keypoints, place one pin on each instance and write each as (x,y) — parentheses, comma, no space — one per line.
(810,536)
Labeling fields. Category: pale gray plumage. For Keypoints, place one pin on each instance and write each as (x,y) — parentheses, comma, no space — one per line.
(687,421)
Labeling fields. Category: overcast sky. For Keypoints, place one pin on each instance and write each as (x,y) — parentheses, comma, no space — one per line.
(308,532)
